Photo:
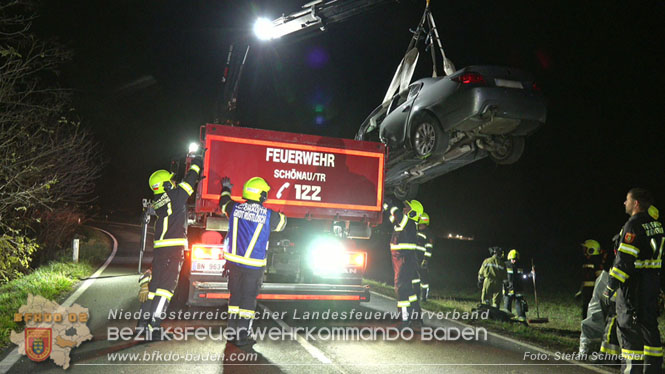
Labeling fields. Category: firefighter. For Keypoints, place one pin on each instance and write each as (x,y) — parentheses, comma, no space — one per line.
(246,243)
(170,239)
(635,277)
(424,254)
(591,268)
(490,277)
(513,286)
(403,247)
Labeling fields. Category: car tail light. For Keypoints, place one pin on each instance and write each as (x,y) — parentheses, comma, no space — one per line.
(207,252)
(470,78)
(535,87)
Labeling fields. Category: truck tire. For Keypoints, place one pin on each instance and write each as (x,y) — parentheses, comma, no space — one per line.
(509,151)
(406,191)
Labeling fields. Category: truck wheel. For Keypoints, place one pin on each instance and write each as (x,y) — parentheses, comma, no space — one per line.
(509,150)
(406,191)
(428,139)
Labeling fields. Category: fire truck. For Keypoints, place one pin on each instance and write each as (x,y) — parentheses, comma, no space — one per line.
(330,189)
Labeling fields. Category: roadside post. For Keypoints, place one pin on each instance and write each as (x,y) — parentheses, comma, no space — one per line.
(75,250)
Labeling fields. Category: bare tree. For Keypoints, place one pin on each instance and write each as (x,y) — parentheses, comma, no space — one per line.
(48,161)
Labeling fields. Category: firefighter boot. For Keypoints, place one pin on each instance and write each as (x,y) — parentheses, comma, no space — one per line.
(424,292)
(244,333)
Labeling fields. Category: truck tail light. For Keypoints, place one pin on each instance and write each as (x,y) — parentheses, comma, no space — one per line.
(470,78)
(207,252)
(356,259)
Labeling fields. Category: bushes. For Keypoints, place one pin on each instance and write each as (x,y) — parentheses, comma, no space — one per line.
(15,254)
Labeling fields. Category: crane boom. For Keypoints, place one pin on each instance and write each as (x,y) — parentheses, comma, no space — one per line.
(320,13)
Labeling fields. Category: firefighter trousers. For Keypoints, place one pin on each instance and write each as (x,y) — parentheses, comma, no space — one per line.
(166,265)
(406,271)
(587,294)
(610,343)
(423,273)
(520,304)
(640,346)
(244,285)
(491,293)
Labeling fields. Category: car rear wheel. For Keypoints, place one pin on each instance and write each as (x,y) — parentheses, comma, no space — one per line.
(428,138)
(508,151)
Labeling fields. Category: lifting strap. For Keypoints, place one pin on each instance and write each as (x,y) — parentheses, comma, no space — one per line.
(407,66)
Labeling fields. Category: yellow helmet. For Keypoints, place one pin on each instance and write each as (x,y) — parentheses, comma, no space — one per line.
(158,179)
(416,208)
(255,189)
(513,254)
(653,212)
(591,247)
(424,219)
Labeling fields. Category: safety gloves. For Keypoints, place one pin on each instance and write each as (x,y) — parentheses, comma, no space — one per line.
(144,281)
(226,183)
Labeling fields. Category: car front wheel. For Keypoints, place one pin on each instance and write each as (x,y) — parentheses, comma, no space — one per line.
(508,151)
(428,139)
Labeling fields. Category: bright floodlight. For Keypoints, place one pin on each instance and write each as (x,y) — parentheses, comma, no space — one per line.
(193,147)
(263,29)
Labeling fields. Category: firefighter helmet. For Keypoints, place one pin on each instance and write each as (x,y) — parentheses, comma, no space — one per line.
(424,219)
(416,209)
(513,254)
(255,189)
(160,181)
(591,247)
(653,212)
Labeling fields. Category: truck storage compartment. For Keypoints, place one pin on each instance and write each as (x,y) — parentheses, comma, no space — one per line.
(310,176)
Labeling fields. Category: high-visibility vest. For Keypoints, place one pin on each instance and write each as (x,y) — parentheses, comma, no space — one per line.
(249,231)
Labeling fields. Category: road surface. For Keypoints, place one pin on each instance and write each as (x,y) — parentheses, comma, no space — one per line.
(360,341)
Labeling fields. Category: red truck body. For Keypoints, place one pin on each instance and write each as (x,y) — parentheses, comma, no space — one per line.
(314,180)
(312,177)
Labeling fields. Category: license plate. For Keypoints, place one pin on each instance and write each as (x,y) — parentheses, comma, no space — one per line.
(208,266)
(507,83)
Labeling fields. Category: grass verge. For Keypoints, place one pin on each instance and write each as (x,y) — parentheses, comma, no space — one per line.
(560,334)
(53,280)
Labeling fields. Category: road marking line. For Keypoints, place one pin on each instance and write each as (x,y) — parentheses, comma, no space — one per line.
(14,356)
(311,349)
(517,342)
(72,298)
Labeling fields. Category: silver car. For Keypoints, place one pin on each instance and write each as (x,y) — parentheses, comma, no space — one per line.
(440,124)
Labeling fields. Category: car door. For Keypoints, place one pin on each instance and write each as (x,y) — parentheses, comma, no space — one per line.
(393,127)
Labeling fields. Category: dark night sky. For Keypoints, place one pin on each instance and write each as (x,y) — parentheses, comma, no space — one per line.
(147,76)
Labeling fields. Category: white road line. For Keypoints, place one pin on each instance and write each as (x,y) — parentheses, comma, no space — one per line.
(312,350)
(517,342)
(14,356)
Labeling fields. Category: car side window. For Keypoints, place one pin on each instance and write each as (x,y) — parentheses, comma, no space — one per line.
(398,100)
(414,89)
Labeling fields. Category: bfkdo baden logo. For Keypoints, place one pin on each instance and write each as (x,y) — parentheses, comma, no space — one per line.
(51,330)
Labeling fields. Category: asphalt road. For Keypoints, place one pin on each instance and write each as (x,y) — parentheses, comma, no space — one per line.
(345,343)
